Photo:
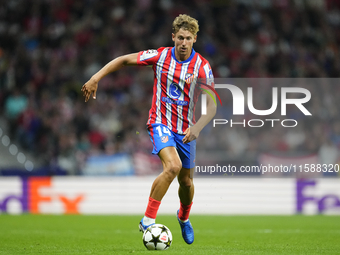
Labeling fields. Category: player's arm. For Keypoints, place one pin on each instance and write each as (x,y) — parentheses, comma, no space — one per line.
(91,86)
(193,132)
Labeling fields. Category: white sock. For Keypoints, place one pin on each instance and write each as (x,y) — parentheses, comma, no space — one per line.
(183,220)
(147,221)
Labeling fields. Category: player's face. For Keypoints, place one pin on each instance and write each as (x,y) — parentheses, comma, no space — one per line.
(184,41)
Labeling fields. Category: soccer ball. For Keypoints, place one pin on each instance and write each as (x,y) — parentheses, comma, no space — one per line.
(157,237)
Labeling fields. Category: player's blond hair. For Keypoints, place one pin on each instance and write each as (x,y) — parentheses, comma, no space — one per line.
(186,22)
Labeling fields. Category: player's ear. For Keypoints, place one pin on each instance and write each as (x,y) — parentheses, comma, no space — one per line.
(195,38)
(173,37)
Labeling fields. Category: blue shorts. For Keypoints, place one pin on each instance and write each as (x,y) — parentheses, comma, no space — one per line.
(161,136)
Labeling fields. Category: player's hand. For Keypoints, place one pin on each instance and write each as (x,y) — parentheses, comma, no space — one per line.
(190,134)
(89,88)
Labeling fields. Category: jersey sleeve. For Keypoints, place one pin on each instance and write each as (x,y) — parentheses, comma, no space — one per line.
(207,74)
(148,57)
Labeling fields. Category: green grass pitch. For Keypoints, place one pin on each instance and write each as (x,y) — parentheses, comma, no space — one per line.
(74,234)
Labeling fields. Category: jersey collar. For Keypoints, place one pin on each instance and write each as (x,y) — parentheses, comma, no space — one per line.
(193,52)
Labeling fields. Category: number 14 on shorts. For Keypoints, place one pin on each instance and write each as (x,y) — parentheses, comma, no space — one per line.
(165,130)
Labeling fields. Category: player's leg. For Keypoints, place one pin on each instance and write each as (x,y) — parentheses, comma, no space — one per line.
(165,147)
(171,167)
(187,154)
(185,192)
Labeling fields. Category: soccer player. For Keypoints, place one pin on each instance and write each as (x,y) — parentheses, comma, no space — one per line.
(171,124)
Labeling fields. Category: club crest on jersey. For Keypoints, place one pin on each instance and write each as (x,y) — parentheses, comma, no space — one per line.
(164,139)
(189,77)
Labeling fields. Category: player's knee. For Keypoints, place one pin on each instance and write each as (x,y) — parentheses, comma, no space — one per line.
(185,182)
(172,169)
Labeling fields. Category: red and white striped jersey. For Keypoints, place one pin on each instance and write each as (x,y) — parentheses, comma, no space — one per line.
(174,94)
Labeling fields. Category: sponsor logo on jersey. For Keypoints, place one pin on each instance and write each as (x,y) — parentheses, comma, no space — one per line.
(173,101)
(175,91)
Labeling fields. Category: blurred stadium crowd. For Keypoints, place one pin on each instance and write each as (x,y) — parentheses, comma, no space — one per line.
(50,48)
